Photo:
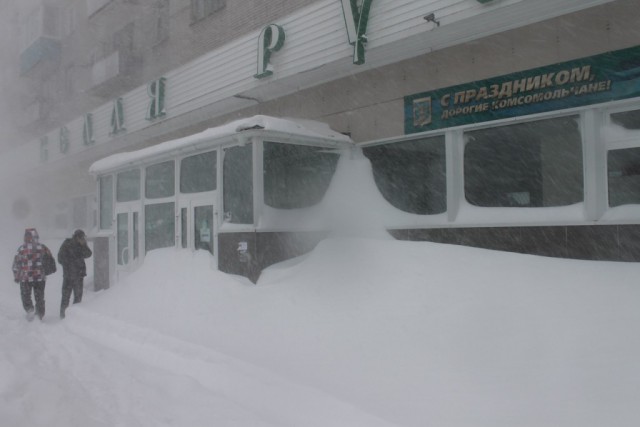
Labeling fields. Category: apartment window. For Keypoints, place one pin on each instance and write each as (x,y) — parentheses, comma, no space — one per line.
(123,39)
(69,80)
(411,175)
(533,164)
(238,184)
(95,5)
(161,21)
(200,9)
(296,176)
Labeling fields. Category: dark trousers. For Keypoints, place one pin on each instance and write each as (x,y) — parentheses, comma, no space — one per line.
(69,285)
(38,292)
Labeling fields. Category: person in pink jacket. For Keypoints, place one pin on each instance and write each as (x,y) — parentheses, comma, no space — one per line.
(28,271)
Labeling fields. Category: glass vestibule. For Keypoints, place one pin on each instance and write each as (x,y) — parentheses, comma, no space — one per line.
(226,183)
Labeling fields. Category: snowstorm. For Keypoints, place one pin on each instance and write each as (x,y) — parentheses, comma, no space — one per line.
(320,213)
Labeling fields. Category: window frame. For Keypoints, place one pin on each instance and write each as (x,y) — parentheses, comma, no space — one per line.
(616,142)
(145,177)
(256,171)
(515,142)
(117,180)
(100,193)
(432,140)
(179,166)
(207,9)
(462,214)
(263,175)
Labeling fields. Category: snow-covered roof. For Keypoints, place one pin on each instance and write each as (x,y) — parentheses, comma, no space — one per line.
(306,130)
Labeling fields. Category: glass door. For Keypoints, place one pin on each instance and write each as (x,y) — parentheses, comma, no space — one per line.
(197,226)
(127,237)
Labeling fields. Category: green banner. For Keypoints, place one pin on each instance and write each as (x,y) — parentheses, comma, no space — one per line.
(595,79)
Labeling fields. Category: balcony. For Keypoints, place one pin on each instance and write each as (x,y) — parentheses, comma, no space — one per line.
(40,43)
(42,49)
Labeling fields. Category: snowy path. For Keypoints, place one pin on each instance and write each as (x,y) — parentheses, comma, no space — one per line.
(91,370)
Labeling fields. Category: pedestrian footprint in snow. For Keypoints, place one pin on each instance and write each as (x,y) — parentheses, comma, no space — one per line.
(30,272)
(71,256)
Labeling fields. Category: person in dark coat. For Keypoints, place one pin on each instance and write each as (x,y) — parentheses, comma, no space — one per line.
(28,270)
(71,256)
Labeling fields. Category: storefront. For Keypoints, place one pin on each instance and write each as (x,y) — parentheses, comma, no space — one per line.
(504,124)
(224,190)
(543,161)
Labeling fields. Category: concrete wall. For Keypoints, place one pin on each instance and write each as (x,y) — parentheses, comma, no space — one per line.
(588,242)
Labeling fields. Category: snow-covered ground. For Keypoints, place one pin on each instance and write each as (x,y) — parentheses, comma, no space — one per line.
(361,332)
(364,331)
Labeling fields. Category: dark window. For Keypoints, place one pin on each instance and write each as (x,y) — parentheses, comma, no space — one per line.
(162,21)
(106,202)
(411,175)
(296,176)
(122,238)
(535,164)
(623,168)
(159,223)
(627,119)
(160,180)
(238,184)
(183,227)
(198,173)
(200,9)
(128,186)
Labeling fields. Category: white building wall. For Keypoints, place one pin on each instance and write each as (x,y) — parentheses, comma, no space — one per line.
(315,78)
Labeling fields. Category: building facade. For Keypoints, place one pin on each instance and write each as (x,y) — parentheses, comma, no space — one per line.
(514,122)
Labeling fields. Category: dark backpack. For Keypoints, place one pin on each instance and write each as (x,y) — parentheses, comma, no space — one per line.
(48,263)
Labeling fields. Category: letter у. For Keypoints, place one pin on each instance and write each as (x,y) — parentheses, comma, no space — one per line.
(271,40)
(356,19)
